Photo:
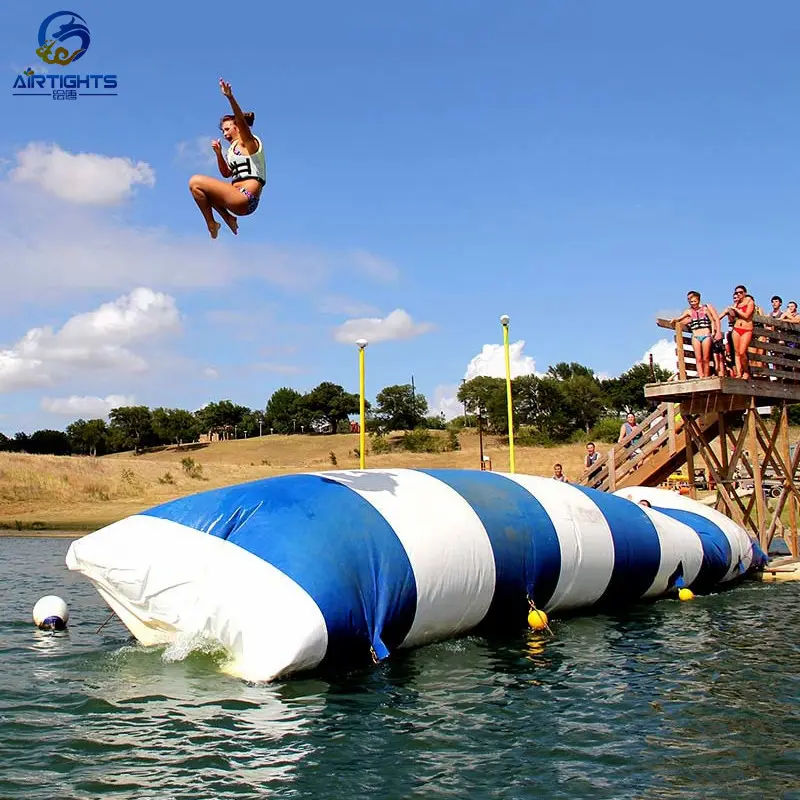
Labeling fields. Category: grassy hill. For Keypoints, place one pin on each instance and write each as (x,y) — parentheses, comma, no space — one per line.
(82,493)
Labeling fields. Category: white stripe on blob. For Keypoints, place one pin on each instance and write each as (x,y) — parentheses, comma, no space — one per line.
(445,541)
(587,549)
(178,581)
(741,544)
(679,545)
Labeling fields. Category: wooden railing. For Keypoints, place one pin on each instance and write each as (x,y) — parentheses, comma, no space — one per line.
(658,431)
(774,350)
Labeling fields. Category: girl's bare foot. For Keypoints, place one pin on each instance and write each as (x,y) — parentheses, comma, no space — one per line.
(231,222)
(213,229)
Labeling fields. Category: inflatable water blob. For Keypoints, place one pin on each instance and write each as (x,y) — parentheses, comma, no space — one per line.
(295,572)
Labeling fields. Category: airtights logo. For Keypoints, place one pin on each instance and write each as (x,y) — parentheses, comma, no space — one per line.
(64,38)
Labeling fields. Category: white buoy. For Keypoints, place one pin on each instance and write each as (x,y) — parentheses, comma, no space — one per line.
(51,613)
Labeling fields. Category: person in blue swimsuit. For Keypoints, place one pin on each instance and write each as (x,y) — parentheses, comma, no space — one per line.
(703,322)
(244,163)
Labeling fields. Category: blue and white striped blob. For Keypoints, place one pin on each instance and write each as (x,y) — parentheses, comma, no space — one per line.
(293,572)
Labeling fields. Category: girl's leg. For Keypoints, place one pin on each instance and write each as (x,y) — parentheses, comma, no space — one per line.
(706,346)
(211,194)
(744,343)
(737,373)
(698,356)
(206,209)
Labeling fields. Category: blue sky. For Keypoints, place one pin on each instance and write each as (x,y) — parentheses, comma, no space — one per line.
(577,166)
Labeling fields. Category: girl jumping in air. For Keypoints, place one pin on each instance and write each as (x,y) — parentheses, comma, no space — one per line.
(243,162)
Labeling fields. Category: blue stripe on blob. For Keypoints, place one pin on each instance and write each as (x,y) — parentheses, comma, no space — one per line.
(716,547)
(637,549)
(326,538)
(524,542)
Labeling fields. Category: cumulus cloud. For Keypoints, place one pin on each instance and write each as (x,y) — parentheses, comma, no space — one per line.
(51,251)
(664,355)
(397,325)
(85,407)
(83,178)
(491,363)
(445,401)
(95,340)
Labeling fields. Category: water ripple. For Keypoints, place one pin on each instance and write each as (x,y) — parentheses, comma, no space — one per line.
(664,700)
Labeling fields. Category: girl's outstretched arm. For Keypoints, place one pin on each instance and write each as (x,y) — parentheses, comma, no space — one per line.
(245,134)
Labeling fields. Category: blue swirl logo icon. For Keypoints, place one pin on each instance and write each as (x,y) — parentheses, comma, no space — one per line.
(63,27)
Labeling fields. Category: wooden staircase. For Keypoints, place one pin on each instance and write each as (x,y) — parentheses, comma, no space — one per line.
(653,450)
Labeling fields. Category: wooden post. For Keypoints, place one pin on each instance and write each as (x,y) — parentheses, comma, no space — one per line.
(679,348)
(723,457)
(758,483)
(612,470)
(688,432)
(783,421)
(671,427)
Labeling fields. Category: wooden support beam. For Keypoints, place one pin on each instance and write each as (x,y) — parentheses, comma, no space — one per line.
(690,429)
(758,484)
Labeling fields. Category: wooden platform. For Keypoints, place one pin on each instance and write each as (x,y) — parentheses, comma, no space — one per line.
(706,395)
(750,449)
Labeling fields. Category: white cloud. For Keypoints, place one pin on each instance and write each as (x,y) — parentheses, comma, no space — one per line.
(51,251)
(84,178)
(85,407)
(491,363)
(663,354)
(98,339)
(210,372)
(397,325)
(445,401)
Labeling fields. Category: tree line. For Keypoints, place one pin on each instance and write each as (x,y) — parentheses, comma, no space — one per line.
(568,401)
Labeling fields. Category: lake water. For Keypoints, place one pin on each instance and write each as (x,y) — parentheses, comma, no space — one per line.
(698,699)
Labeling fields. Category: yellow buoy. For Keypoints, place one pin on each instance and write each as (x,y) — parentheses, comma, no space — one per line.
(685,594)
(537,619)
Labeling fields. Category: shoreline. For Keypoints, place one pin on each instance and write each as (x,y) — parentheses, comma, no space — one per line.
(41,533)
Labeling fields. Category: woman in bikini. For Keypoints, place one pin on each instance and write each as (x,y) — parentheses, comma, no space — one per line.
(244,162)
(741,316)
(703,322)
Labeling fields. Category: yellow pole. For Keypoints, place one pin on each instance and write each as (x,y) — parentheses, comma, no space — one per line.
(512,467)
(362,428)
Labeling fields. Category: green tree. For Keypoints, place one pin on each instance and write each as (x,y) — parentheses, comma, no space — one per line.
(489,396)
(49,442)
(328,404)
(4,442)
(543,403)
(626,392)
(285,412)
(175,425)
(131,427)
(584,401)
(564,371)
(223,417)
(20,443)
(89,437)
(400,408)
